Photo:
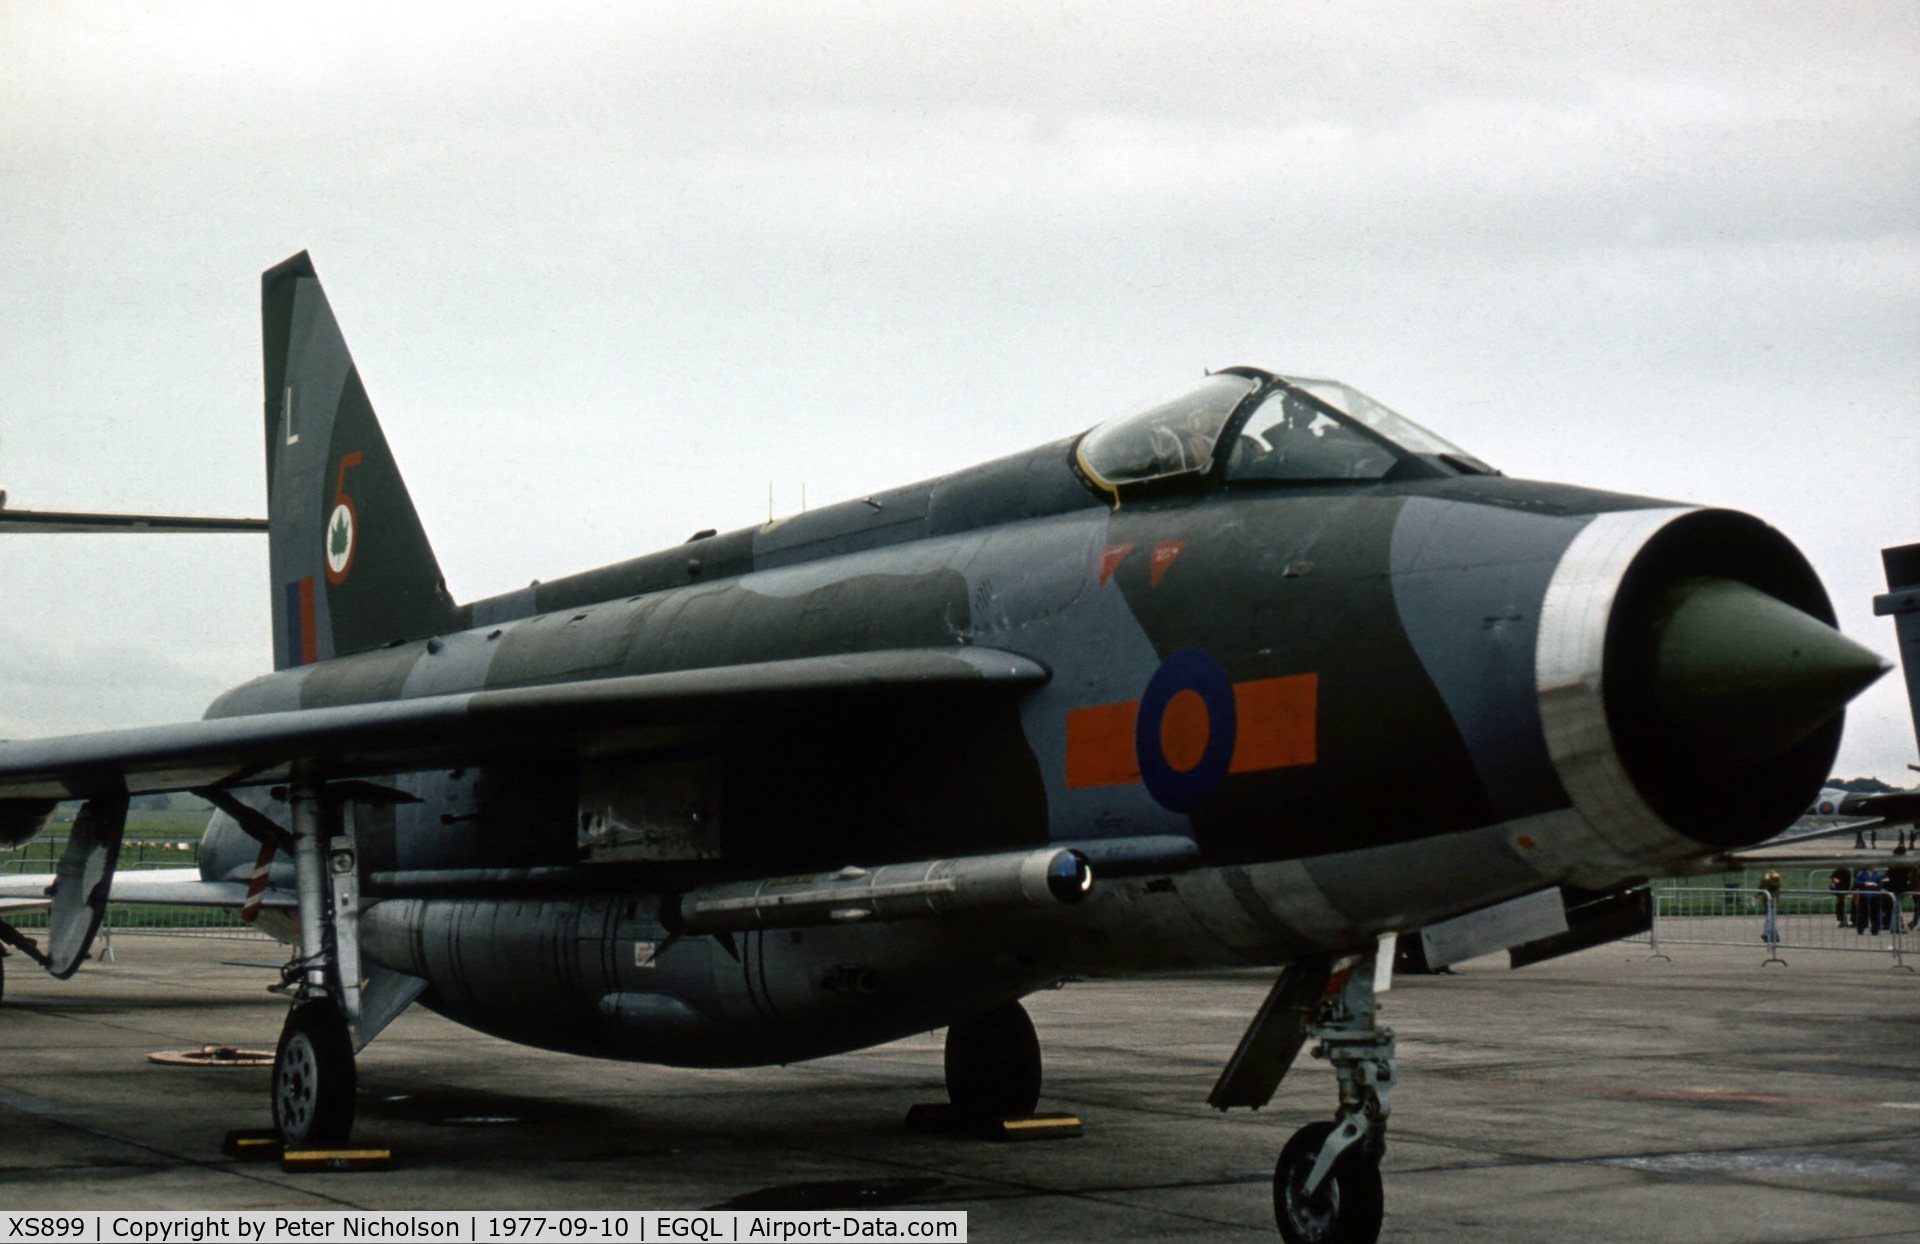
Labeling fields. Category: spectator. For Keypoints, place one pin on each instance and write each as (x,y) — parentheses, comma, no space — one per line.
(1900,879)
(1869,898)
(1840,881)
(1770,896)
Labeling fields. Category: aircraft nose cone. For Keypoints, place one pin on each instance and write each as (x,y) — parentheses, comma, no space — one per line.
(1738,673)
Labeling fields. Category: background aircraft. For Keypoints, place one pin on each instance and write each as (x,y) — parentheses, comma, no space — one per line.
(1884,806)
(42,522)
(71,522)
(894,763)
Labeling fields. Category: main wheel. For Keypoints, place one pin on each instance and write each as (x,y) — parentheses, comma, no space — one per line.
(1345,1209)
(313,1077)
(993,1064)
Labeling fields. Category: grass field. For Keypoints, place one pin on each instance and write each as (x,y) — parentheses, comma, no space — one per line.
(144,846)
(155,838)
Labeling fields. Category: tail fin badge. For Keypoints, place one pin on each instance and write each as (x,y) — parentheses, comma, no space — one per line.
(343,524)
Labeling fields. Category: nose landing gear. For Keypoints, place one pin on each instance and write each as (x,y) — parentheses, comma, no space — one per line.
(1326,1185)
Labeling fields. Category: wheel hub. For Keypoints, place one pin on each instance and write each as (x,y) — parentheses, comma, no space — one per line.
(299,1077)
(1313,1216)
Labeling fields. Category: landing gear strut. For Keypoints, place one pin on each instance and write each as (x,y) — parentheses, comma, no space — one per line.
(993,1064)
(1326,1186)
(313,1068)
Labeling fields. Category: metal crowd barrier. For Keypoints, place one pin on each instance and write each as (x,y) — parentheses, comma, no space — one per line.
(1861,921)
(42,855)
(146,919)
(151,921)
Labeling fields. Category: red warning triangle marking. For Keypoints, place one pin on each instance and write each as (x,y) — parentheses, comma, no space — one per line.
(1163,555)
(1110,560)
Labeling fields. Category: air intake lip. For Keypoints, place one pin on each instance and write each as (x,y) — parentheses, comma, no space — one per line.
(1725,681)
(1690,681)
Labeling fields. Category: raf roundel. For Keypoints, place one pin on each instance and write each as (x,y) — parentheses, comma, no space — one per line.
(1184,734)
(342,532)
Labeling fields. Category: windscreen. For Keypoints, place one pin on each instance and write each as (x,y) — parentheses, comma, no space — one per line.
(1288,437)
(1396,427)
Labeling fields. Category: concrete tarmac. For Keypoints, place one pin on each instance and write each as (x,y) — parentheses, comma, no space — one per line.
(1600,1097)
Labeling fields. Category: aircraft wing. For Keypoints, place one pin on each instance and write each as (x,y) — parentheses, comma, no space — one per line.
(1837,830)
(42,522)
(173,887)
(1889,807)
(604,715)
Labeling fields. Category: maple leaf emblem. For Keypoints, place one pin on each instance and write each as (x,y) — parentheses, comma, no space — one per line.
(338,536)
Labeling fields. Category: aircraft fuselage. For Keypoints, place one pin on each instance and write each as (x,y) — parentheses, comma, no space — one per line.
(1368,706)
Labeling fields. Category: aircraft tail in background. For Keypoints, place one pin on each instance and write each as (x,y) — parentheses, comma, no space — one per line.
(1902,604)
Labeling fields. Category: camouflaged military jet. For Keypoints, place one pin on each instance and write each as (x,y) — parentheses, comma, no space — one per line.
(1259,674)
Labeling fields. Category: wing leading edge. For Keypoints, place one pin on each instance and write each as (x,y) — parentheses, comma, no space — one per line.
(52,522)
(397,736)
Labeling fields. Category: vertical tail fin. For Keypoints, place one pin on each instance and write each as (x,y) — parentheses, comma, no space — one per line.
(351,566)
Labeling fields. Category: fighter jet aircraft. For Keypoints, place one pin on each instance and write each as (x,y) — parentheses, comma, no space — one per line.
(1261,673)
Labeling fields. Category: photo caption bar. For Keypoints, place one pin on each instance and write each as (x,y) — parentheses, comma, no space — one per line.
(479,1226)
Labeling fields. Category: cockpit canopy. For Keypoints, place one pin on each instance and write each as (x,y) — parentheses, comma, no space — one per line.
(1247,426)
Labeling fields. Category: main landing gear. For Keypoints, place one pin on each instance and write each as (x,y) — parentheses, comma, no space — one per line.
(993,1082)
(993,1064)
(314,1079)
(1326,1185)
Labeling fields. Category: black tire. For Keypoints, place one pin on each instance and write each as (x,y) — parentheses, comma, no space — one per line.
(313,1077)
(3,978)
(1349,1205)
(993,1064)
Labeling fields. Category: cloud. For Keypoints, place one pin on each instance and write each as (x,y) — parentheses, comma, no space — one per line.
(609,270)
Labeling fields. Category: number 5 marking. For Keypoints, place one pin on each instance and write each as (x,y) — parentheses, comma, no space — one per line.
(342,536)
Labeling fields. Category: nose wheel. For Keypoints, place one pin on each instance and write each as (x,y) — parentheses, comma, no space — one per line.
(1347,1205)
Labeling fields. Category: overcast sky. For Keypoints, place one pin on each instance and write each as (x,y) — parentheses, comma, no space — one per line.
(609,271)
